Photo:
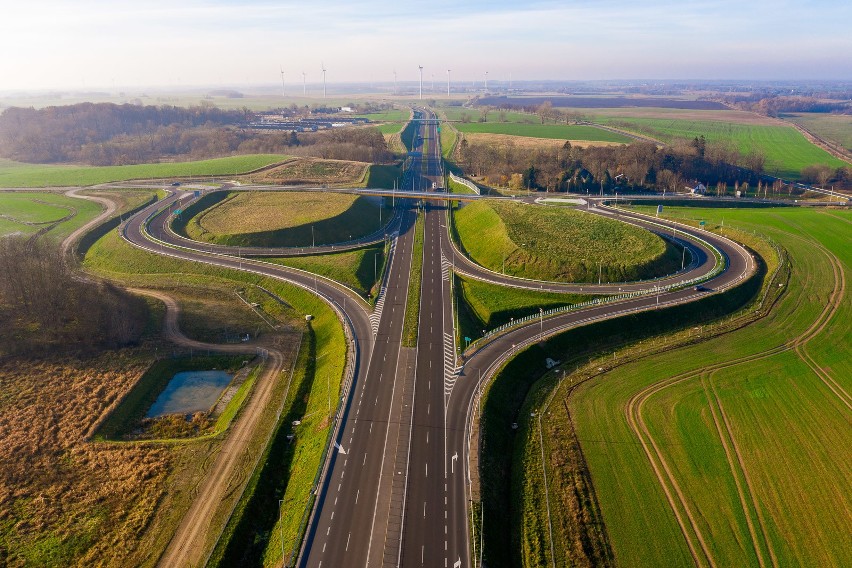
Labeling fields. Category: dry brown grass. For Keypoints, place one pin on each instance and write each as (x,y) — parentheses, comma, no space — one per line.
(528,143)
(312,170)
(65,501)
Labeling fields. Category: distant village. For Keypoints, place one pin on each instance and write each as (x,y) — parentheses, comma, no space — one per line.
(317,119)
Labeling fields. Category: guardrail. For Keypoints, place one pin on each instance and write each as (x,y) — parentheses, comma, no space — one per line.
(465,182)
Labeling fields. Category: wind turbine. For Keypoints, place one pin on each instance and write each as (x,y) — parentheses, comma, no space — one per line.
(323,79)
(433,82)
(448,82)
(486,81)
(395,91)
(283,87)
(421,81)
(304,85)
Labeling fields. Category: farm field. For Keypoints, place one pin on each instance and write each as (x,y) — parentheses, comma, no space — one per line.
(55,214)
(18,174)
(786,150)
(560,244)
(559,131)
(835,128)
(732,448)
(289,219)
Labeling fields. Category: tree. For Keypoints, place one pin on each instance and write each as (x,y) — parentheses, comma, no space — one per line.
(544,110)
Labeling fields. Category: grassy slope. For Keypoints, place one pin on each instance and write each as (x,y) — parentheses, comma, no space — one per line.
(786,423)
(17,174)
(43,208)
(286,219)
(550,243)
(786,150)
(359,269)
(558,131)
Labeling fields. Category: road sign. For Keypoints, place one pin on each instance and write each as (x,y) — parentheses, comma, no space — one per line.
(659,209)
(197,192)
(178,211)
(701,224)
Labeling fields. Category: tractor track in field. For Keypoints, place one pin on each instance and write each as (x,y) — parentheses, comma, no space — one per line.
(686,519)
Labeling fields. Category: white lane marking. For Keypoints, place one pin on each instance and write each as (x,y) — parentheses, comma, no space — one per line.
(332,516)
(424,512)
(427,470)
(357,494)
(347,541)
(365,460)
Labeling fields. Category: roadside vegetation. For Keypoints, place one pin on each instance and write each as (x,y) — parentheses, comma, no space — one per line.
(412,302)
(560,244)
(282,219)
(360,269)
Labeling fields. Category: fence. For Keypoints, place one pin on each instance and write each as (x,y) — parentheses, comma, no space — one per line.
(467,183)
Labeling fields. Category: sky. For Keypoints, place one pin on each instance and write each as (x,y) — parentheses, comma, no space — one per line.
(89,44)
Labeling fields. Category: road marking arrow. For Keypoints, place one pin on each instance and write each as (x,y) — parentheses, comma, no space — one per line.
(339,448)
(453,462)
(457,563)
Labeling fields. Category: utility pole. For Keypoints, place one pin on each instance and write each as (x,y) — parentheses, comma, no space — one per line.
(395,91)
(421,81)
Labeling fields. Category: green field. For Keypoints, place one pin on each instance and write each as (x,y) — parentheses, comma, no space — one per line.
(283,219)
(835,128)
(359,269)
(786,150)
(18,174)
(457,113)
(560,244)
(390,127)
(390,115)
(555,131)
(412,302)
(745,431)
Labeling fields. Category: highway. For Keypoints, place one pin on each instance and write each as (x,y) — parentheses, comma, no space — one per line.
(395,490)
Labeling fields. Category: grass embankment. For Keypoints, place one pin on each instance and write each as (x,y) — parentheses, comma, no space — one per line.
(360,269)
(129,414)
(484,306)
(787,151)
(18,174)
(558,131)
(567,245)
(113,258)
(285,219)
(516,532)
(383,176)
(412,302)
(312,171)
(747,424)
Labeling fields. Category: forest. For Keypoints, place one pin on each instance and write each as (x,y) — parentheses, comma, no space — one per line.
(107,134)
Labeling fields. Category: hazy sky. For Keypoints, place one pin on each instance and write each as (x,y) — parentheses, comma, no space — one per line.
(92,43)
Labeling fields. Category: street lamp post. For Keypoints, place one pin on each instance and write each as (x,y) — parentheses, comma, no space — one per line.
(541,322)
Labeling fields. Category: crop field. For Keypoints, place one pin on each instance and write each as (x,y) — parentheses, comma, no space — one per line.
(496,116)
(18,174)
(359,269)
(835,128)
(560,131)
(51,213)
(295,219)
(734,448)
(786,150)
(561,244)
(312,171)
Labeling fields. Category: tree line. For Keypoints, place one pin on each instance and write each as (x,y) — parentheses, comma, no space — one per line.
(45,308)
(107,134)
(638,166)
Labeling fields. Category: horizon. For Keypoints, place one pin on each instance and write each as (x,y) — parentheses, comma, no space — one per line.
(94,45)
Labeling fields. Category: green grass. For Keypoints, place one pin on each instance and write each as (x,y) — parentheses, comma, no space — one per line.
(281,219)
(484,306)
(390,127)
(449,135)
(26,213)
(556,131)
(383,176)
(784,420)
(17,174)
(390,115)
(551,243)
(412,302)
(360,269)
(473,115)
(786,150)
(835,128)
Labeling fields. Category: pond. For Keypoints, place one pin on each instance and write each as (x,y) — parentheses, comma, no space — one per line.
(189,392)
